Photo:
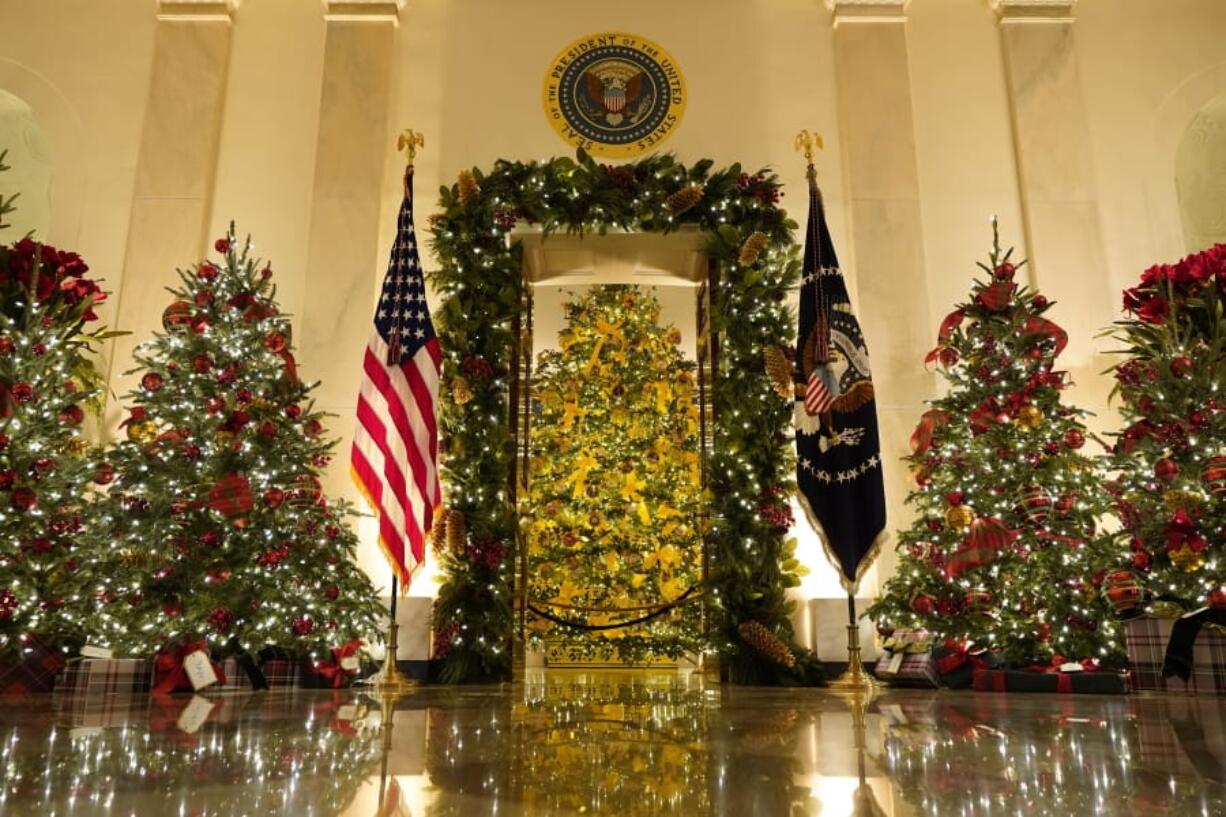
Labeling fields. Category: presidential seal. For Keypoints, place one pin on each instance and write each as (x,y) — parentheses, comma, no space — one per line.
(614,94)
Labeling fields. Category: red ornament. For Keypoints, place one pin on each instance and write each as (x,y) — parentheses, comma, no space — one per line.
(1181,366)
(1066,504)
(222,245)
(214,405)
(43,465)
(1044,631)
(1141,560)
(303,626)
(268,429)
(200,324)
(231,496)
(1035,503)
(1005,271)
(24,499)
(206,272)
(274,342)
(8,478)
(313,428)
(332,592)
(954,498)
(191,452)
(221,618)
(1039,301)
(21,392)
(923,604)
(219,574)
(1214,475)
(202,364)
(266,273)
(1074,439)
(177,317)
(72,415)
(152,381)
(4,441)
(273,497)
(293,411)
(6,345)
(203,298)
(1217,598)
(172,609)
(1166,469)
(1123,590)
(243,395)
(105,474)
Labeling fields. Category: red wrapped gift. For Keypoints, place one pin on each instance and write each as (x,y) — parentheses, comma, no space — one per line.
(32,667)
(1054,677)
(172,673)
(336,673)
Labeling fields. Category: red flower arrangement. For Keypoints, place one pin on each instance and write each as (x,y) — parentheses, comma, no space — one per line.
(1177,285)
(54,277)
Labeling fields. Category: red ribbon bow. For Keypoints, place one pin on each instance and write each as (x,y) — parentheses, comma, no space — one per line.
(169,673)
(959,656)
(1042,326)
(951,322)
(332,671)
(930,421)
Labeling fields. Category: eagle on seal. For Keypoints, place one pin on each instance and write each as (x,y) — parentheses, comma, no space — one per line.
(612,94)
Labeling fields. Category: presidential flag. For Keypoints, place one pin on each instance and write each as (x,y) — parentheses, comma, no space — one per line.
(838,465)
(395,446)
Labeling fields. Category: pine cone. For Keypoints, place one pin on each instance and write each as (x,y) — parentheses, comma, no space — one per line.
(779,370)
(767,643)
(460,391)
(684,199)
(469,191)
(752,248)
(438,533)
(457,532)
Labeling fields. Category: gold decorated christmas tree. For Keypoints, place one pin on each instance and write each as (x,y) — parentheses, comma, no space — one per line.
(615,553)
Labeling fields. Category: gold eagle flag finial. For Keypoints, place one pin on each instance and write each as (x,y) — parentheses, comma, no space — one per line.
(805,143)
(409,141)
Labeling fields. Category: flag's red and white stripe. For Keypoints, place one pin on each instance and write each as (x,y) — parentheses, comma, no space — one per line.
(395,448)
(818,397)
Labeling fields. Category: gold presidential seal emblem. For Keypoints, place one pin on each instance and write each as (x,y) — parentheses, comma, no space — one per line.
(614,94)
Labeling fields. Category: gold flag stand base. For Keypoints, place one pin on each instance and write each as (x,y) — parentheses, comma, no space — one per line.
(854,680)
(390,680)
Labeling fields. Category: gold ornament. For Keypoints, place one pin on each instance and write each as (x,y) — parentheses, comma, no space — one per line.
(1176,500)
(75,447)
(469,191)
(960,517)
(1029,417)
(779,370)
(460,391)
(767,643)
(684,199)
(142,431)
(752,248)
(457,531)
(1187,559)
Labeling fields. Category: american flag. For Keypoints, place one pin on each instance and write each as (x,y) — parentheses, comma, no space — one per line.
(395,445)
(818,396)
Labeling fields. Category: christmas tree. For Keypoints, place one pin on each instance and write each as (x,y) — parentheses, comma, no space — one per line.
(47,381)
(216,515)
(1004,551)
(614,490)
(1171,457)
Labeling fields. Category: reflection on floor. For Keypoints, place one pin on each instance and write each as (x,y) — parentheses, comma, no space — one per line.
(620,743)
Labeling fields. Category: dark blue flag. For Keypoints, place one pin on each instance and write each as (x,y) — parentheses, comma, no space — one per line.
(838,466)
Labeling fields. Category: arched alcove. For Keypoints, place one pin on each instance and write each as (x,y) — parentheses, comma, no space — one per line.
(31,162)
(1200,176)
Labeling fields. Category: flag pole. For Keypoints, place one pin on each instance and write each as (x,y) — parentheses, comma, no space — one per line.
(854,680)
(390,681)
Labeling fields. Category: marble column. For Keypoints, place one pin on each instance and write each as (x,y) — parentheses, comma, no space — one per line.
(885,259)
(1055,166)
(344,260)
(175,168)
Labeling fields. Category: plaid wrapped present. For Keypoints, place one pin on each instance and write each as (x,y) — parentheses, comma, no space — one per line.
(1147,639)
(280,673)
(33,668)
(906,660)
(106,676)
(1008,680)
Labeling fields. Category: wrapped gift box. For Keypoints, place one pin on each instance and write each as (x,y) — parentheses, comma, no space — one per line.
(906,660)
(1003,680)
(32,669)
(278,674)
(106,676)
(1147,638)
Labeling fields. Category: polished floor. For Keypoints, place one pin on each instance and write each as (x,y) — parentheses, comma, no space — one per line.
(616,743)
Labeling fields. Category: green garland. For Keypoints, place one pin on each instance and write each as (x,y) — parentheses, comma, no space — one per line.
(751,563)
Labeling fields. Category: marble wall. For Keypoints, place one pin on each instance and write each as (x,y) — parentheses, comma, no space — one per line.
(1064,117)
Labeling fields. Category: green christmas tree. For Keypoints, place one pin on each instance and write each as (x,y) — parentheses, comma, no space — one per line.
(1005,550)
(216,516)
(1171,458)
(615,492)
(47,381)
